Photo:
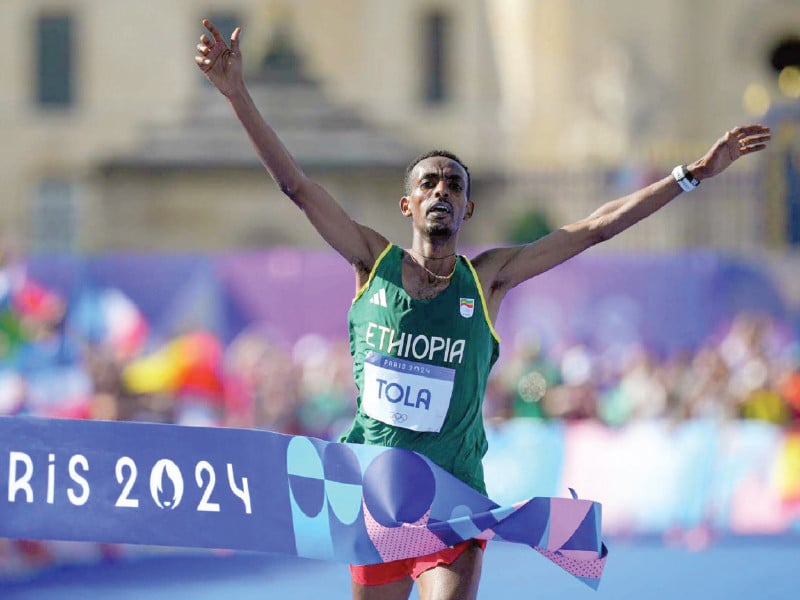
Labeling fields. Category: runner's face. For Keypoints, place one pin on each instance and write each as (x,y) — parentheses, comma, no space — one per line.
(438,203)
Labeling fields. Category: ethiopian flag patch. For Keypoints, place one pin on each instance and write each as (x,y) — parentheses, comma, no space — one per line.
(467,307)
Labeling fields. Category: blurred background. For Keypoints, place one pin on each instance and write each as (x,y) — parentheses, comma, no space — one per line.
(150,269)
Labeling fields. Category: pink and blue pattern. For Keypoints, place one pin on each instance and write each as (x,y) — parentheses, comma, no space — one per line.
(257,490)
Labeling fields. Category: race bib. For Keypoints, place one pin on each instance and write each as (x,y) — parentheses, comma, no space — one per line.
(405,393)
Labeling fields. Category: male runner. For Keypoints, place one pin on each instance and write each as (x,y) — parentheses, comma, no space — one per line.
(421,329)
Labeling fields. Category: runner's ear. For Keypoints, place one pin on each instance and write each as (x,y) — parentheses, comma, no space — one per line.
(405,206)
(470,209)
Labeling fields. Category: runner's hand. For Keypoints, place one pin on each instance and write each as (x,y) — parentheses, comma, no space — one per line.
(736,143)
(221,65)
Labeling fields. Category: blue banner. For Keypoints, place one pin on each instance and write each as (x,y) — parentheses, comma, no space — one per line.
(689,480)
(257,490)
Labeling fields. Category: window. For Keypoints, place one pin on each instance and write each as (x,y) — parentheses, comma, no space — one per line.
(55,61)
(435,45)
(54,217)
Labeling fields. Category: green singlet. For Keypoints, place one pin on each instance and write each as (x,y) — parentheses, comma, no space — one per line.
(421,367)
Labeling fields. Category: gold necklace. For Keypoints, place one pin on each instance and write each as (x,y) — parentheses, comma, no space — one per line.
(436,275)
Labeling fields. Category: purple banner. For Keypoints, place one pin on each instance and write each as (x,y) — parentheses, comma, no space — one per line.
(287,293)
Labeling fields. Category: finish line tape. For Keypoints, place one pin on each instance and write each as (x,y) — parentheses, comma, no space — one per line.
(170,485)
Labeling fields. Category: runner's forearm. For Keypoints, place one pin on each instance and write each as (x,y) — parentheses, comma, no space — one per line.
(270,149)
(618,215)
(697,167)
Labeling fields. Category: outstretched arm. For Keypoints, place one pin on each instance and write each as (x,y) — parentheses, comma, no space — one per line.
(503,268)
(222,66)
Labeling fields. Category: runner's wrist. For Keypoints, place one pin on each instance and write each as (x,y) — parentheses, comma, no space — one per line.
(237,93)
(699,169)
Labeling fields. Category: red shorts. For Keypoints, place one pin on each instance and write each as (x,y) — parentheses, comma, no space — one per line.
(396,570)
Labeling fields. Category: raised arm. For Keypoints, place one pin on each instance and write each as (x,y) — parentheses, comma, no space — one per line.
(501,269)
(222,66)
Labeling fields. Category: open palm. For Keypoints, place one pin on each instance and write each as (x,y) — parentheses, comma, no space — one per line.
(221,65)
(736,143)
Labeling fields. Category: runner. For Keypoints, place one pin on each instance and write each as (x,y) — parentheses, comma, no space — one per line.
(421,331)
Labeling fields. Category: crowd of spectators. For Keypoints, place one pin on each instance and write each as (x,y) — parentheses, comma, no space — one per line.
(100,360)
(57,361)
(752,372)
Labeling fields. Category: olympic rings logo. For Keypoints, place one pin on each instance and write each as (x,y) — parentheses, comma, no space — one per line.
(398,417)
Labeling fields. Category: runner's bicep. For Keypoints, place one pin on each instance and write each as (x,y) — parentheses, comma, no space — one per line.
(358,244)
(505,268)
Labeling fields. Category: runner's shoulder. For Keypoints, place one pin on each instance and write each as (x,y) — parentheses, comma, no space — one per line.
(489,263)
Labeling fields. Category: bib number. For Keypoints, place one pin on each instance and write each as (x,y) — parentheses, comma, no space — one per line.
(405,393)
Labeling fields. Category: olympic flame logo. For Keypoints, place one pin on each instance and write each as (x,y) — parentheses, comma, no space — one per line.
(166,484)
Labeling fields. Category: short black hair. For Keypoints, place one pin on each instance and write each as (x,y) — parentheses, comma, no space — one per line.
(431,154)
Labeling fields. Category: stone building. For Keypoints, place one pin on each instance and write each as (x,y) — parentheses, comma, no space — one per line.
(113,140)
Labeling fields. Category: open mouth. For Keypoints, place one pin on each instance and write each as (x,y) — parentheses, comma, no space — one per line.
(440,208)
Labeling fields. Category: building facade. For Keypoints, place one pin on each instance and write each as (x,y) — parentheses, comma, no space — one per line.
(557,105)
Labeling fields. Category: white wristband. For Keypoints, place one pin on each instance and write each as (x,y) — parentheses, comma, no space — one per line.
(685,179)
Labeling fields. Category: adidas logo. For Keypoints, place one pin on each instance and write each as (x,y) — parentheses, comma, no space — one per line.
(379,298)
